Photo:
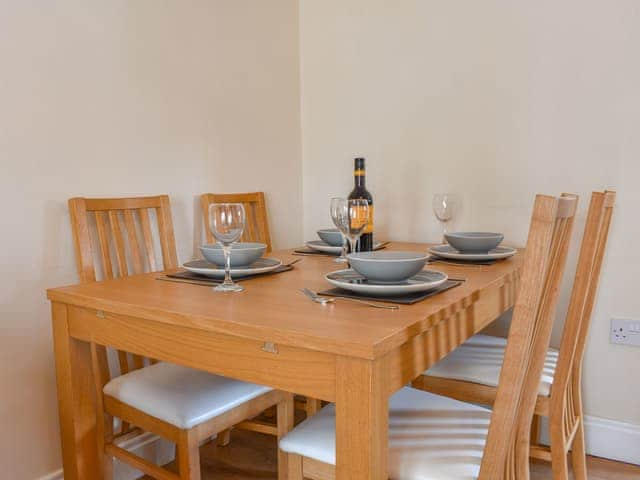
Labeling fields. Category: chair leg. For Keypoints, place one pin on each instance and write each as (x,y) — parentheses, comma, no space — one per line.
(188,455)
(107,467)
(535,429)
(104,427)
(578,454)
(285,425)
(312,406)
(223,438)
(559,461)
(294,464)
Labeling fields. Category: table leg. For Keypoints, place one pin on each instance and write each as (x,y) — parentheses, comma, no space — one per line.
(362,418)
(76,401)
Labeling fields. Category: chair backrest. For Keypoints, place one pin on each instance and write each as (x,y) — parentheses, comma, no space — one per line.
(120,223)
(111,215)
(506,454)
(583,294)
(257,227)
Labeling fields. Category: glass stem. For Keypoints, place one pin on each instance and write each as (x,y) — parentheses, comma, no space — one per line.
(352,245)
(227,265)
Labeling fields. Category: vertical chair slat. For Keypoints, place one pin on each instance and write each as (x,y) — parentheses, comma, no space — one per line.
(249,234)
(130,225)
(603,236)
(103,238)
(123,360)
(261,220)
(206,200)
(167,237)
(82,239)
(138,362)
(121,257)
(145,223)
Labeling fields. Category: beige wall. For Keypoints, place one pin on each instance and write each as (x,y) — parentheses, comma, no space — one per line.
(495,100)
(126,98)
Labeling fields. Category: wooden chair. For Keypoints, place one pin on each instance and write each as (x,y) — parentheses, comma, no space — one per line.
(183,405)
(432,436)
(257,230)
(471,372)
(257,227)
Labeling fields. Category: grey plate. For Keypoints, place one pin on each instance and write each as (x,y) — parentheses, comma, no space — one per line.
(321,246)
(447,251)
(202,267)
(354,282)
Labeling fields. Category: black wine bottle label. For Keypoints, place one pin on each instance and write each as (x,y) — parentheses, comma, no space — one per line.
(365,243)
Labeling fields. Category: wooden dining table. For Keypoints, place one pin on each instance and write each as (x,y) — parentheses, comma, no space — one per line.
(271,334)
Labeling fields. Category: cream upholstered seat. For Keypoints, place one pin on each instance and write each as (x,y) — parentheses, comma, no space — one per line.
(181,396)
(430,437)
(479,360)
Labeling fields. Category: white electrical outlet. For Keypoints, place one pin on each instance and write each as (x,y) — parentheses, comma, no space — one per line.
(625,332)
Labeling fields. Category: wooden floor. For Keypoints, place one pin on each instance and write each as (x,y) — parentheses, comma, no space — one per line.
(252,456)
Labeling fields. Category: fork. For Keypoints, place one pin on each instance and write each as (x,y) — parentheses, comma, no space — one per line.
(324,300)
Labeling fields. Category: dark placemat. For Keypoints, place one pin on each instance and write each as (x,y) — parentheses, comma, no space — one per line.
(436,259)
(188,277)
(407,299)
(311,251)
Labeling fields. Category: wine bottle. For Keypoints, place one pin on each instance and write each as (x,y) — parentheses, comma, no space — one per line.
(365,244)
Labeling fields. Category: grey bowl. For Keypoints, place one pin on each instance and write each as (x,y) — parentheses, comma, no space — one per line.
(242,254)
(387,267)
(474,242)
(332,236)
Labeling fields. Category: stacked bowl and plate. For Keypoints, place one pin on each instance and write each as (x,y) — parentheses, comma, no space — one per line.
(387,274)
(246,259)
(473,247)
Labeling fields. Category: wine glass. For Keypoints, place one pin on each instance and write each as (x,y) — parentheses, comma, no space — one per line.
(353,217)
(226,221)
(444,207)
(336,205)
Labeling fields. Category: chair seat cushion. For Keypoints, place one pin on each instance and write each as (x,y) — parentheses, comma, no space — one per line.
(479,360)
(430,437)
(181,396)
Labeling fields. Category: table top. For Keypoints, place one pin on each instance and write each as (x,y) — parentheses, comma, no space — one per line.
(272,308)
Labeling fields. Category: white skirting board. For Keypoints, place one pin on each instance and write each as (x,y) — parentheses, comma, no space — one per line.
(147,445)
(608,439)
(604,438)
